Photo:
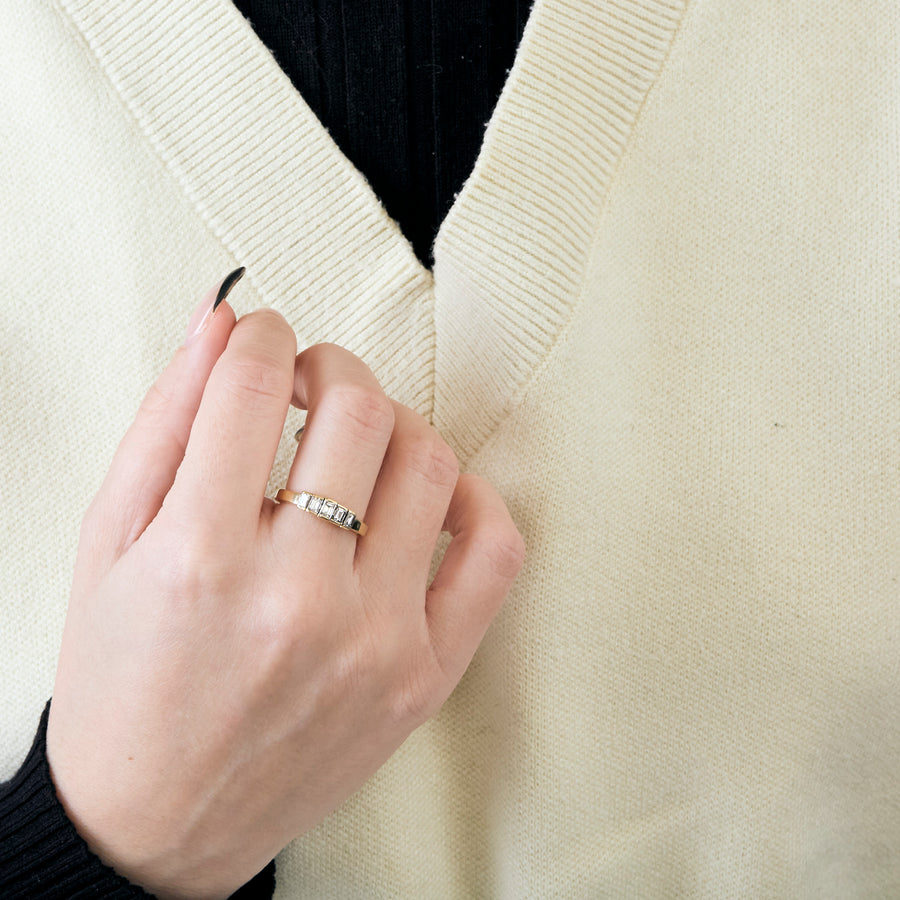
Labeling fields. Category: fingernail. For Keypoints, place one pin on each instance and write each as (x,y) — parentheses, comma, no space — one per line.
(210,303)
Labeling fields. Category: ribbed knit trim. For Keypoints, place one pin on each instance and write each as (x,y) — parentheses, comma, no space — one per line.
(510,256)
(42,856)
(269,180)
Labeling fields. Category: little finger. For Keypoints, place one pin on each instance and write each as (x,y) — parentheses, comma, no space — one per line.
(478,569)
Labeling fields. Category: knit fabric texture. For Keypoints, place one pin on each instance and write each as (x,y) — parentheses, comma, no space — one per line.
(662,321)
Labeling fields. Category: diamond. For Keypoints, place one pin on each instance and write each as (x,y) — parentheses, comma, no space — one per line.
(315,504)
(327,509)
(338,514)
(303,500)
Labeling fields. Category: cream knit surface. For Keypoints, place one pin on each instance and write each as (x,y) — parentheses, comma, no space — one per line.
(664,321)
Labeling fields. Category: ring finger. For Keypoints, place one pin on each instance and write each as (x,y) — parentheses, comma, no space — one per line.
(348,427)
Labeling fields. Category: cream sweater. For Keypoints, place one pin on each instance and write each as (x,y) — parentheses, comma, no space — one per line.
(663,321)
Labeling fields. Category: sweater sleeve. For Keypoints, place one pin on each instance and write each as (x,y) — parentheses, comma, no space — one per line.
(43,856)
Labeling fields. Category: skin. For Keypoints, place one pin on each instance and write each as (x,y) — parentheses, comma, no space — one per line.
(232,669)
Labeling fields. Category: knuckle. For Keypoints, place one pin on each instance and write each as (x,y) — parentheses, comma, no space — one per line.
(504,554)
(195,567)
(270,324)
(289,627)
(367,410)
(158,400)
(317,355)
(432,459)
(415,700)
(257,379)
(306,612)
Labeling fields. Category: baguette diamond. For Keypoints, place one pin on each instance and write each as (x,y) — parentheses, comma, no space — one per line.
(324,508)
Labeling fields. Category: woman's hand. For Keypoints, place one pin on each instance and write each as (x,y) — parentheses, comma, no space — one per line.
(232,668)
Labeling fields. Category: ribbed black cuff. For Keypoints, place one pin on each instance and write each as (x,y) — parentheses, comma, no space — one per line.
(42,856)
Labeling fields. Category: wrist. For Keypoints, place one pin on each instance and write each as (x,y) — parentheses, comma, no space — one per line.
(41,851)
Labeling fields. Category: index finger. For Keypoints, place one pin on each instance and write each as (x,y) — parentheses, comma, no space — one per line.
(231,450)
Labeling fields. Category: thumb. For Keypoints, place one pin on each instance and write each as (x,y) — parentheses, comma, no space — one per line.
(144,466)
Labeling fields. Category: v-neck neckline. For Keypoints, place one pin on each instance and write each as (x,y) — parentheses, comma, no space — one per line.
(405,87)
(459,342)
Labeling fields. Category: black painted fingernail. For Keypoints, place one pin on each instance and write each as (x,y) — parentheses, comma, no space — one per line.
(229,282)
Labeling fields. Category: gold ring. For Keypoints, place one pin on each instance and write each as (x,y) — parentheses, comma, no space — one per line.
(324,508)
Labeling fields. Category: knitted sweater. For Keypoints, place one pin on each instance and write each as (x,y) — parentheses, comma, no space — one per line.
(662,320)
(415,170)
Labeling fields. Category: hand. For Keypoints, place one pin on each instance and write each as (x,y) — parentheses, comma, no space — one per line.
(231,668)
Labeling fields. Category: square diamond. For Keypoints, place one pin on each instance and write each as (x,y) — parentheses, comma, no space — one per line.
(303,500)
(315,504)
(338,514)
(350,521)
(327,509)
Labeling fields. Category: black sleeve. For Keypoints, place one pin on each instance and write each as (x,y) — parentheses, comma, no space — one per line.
(42,856)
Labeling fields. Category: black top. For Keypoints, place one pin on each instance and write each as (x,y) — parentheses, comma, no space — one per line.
(404,87)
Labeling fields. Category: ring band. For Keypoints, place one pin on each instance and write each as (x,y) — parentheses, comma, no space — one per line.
(324,508)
